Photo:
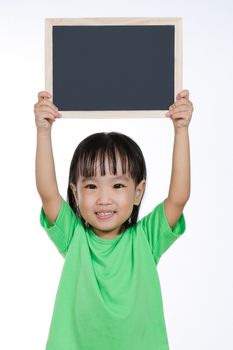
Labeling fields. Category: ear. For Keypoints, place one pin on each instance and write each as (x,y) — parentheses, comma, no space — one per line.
(140,188)
(74,190)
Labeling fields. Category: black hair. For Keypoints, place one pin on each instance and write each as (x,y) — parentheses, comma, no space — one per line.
(102,146)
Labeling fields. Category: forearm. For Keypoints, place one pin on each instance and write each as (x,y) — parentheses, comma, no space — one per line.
(45,169)
(180,183)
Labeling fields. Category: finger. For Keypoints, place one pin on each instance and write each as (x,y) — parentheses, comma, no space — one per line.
(43,95)
(48,109)
(176,112)
(181,102)
(181,108)
(46,115)
(47,103)
(180,115)
(183,94)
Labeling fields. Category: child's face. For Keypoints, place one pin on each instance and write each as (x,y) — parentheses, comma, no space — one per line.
(106,202)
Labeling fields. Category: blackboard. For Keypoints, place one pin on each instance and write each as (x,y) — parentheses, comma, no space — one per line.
(113,68)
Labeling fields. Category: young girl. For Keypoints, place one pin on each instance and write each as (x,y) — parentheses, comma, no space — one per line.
(109,294)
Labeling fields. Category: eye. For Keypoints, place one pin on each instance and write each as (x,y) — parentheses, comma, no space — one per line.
(119,186)
(90,186)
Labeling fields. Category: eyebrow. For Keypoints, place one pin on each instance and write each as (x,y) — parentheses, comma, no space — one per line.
(92,178)
(123,177)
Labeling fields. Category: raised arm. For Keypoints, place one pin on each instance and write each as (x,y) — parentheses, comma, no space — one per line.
(46,182)
(179,190)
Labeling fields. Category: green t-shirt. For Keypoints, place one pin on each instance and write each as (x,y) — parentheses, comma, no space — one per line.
(109,294)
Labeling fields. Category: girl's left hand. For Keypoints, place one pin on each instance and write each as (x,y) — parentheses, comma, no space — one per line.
(181,111)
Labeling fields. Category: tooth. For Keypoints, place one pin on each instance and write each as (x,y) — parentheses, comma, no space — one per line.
(105,213)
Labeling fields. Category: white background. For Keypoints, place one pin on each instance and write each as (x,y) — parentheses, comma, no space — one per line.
(196,272)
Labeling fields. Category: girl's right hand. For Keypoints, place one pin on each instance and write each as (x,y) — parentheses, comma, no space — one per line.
(45,111)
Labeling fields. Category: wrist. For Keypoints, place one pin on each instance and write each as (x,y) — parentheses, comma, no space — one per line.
(44,132)
(181,130)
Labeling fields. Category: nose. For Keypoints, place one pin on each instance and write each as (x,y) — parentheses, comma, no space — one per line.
(103,197)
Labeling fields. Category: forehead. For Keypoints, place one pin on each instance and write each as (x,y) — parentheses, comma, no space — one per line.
(108,178)
(108,166)
(109,173)
(102,163)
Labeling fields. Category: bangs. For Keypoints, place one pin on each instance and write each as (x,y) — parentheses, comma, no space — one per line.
(106,156)
(103,151)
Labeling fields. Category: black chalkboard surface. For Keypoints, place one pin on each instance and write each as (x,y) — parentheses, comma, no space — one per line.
(111,69)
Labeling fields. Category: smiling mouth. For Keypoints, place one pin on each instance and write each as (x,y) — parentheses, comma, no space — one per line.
(105,214)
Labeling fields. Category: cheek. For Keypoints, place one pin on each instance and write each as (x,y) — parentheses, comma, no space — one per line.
(82,199)
(87,199)
(128,199)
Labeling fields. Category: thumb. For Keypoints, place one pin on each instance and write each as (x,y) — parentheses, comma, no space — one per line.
(183,94)
(43,94)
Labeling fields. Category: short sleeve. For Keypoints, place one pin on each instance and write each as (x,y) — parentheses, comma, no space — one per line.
(61,232)
(158,231)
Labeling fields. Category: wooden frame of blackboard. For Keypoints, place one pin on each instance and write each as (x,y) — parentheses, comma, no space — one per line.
(108,21)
